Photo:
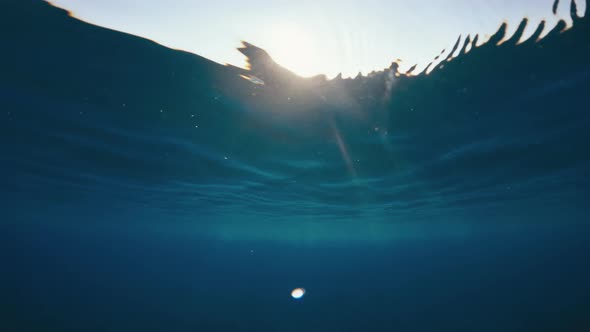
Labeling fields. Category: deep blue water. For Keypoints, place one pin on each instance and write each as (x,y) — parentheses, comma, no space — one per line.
(148,189)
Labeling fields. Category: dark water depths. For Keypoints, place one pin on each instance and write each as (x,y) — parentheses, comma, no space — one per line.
(147,189)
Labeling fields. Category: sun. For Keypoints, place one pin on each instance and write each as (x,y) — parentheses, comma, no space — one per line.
(292,46)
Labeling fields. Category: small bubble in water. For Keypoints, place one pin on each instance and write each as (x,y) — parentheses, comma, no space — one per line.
(298,293)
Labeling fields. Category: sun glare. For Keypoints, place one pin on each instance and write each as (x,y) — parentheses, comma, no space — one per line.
(292,46)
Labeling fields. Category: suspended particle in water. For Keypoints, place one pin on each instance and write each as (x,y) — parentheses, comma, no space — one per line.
(298,293)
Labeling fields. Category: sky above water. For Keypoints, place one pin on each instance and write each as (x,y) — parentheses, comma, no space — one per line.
(316,37)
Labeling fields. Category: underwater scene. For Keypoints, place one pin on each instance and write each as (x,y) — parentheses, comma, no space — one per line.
(146,188)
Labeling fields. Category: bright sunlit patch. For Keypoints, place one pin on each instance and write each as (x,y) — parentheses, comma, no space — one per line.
(298,293)
(253,79)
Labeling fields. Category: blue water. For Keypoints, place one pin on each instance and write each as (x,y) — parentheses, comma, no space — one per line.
(148,189)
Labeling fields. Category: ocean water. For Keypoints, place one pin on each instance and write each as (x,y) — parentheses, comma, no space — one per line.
(149,189)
